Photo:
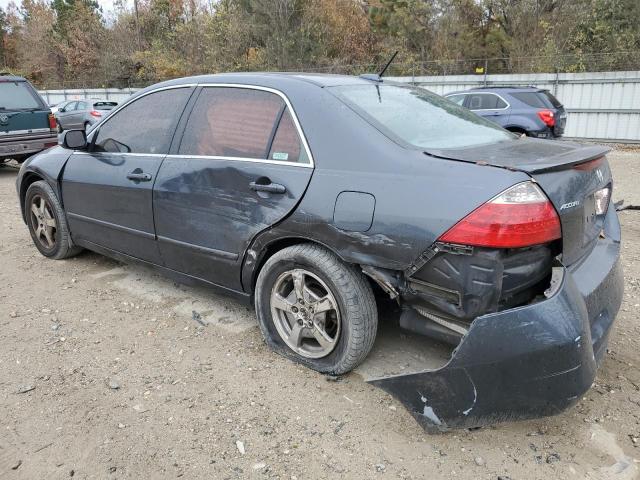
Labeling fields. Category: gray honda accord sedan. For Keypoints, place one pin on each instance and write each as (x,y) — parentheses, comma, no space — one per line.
(307,194)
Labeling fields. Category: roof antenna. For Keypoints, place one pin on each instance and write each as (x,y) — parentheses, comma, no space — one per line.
(377,77)
(393,57)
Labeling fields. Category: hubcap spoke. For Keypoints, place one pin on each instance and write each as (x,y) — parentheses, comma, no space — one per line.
(34,210)
(281,303)
(321,336)
(298,283)
(295,338)
(324,304)
(48,234)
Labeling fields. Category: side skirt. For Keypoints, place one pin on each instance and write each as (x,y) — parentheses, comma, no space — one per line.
(173,274)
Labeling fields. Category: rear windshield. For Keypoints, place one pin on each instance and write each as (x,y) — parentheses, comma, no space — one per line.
(420,118)
(542,99)
(105,105)
(17,96)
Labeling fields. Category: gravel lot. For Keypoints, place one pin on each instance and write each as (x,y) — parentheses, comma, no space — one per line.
(104,374)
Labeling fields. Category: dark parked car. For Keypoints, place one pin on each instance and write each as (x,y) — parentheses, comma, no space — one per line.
(304,194)
(82,113)
(26,123)
(524,110)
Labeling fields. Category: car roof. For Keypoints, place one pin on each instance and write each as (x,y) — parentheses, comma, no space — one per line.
(263,78)
(499,89)
(11,78)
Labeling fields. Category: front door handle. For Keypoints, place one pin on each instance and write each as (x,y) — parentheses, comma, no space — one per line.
(267,187)
(139,176)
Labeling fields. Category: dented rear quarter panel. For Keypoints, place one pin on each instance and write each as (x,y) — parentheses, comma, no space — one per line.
(417,197)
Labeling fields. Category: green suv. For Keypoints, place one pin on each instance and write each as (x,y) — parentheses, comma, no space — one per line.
(26,123)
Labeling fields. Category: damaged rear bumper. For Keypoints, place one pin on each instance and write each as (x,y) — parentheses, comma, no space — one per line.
(531,361)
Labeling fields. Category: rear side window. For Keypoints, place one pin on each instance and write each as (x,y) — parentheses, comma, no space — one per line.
(457,99)
(287,145)
(105,105)
(232,122)
(144,126)
(542,99)
(485,101)
(17,96)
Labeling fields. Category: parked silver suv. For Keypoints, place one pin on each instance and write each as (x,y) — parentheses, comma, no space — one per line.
(81,114)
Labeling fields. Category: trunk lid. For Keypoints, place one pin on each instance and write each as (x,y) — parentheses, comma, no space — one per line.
(569,173)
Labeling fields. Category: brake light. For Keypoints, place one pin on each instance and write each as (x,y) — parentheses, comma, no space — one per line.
(95,113)
(520,216)
(548,117)
(602,197)
(592,165)
(52,122)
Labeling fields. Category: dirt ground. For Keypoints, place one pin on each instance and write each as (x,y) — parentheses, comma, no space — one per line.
(104,374)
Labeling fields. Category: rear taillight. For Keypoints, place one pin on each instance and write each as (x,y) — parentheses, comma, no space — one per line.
(601,198)
(52,122)
(520,216)
(95,113)
(548,117)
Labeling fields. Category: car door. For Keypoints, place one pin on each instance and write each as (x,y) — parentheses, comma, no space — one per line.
(78,114)
(65,115)
(490,106)
(107,190)
(241,166)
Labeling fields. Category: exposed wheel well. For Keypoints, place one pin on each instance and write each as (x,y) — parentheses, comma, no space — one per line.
(517,130)
(27,180)
(274,247)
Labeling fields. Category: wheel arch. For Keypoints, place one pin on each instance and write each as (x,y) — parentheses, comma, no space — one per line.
(261,251)
(28,179)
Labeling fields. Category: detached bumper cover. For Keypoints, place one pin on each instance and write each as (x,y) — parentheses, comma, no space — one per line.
(532,361)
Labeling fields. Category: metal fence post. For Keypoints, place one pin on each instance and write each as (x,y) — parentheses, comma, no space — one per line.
(486,68)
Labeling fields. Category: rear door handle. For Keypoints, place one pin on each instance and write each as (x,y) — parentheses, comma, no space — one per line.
(267,187)
(139,176)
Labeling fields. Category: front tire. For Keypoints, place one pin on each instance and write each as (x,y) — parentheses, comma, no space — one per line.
(47,222)
(316,309)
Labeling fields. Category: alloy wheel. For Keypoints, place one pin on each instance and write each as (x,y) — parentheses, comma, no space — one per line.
(43,222)
(305,313)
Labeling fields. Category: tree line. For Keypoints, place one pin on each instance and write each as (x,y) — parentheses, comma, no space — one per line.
(77,43)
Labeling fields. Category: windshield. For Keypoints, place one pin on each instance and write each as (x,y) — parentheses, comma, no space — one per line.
(16,96)
(419,117)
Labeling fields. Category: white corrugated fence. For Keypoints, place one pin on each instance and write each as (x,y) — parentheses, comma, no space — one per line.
(601,106)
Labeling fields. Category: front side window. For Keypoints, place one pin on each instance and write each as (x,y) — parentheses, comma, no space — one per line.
(232,122)
(17,96)
(485,101)
(420,118)
(146,125)
(70,106)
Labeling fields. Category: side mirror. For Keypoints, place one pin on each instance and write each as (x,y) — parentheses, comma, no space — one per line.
(73,139)
(61,110)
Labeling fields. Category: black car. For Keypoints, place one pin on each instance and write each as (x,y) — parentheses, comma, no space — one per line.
(26,123)
(305,194)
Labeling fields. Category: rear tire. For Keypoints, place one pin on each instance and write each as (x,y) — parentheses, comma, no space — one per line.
(87,126)
(333,326)
(47,222)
